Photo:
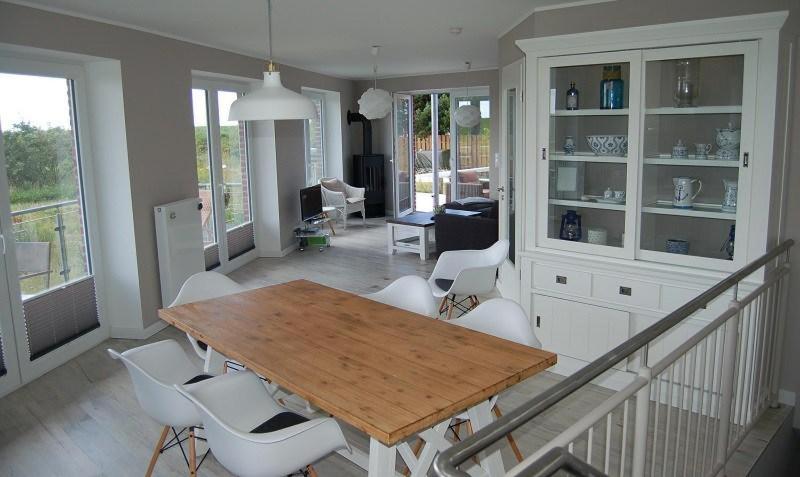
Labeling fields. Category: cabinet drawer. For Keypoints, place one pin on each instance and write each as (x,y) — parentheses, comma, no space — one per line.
(562,280)
(626,291)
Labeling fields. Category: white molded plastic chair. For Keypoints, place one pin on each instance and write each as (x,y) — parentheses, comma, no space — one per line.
(410,293)
(205,286)
(155,369)
(466,273)
(346,198)
(235,404)
(504,319)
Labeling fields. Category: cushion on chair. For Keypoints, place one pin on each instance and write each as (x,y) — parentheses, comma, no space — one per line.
(353,200)
(443,283)
(334,185)
(279,421)
(202,345)
(198,378)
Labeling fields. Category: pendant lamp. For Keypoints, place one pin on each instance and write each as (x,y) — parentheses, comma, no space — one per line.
(467,116)
(375,103)
(272,101)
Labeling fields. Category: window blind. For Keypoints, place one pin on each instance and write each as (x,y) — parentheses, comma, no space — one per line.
(2,361)
(241,239)
(60,315)
(211,256)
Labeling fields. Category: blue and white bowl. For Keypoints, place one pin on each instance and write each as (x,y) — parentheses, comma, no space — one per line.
(608,144)
(677,246)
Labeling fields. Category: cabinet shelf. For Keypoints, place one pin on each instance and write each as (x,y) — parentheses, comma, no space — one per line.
(668,161)
(586,157)
(708,211)
(590,112)
(696,110)
(587,204)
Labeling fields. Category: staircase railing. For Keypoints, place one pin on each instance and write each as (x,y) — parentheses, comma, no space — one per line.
(684,414)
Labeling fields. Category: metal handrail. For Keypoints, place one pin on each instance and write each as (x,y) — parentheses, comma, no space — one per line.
(447,462)
(44,207)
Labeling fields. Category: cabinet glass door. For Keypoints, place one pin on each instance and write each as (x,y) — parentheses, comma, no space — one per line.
(590,149)
(694,152)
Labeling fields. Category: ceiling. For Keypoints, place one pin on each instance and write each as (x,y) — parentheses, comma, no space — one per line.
(327,36)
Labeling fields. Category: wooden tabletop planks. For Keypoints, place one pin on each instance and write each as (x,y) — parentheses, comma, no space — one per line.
(386,371)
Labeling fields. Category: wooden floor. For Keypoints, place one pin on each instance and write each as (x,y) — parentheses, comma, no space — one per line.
(82,419)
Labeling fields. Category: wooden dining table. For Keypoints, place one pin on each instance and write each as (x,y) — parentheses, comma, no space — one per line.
(388,372)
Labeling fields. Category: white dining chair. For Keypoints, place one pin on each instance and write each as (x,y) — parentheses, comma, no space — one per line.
(155,369)
(205,286)
(411,293)
(504,319)
(466,273)
(251,435)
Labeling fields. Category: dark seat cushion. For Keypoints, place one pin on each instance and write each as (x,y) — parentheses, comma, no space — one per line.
(279,421)
(202,345)
(443,283)
(198,378)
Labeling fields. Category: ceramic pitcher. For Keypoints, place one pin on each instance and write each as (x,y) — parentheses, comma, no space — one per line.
(729,199)
(684,191)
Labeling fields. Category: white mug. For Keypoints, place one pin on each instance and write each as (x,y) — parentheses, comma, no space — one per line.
(702,150)
(684,193)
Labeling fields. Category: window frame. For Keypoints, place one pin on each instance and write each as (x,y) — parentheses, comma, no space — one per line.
(319,95)
(212,87)
(30,369)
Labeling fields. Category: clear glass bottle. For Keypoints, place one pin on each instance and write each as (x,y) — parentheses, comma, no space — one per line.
(686,84)
(572,97)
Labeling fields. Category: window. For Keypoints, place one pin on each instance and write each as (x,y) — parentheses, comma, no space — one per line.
(223,174)
(43,158)
(315,140)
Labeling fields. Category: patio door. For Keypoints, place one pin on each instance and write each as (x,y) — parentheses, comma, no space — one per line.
(511,147)
(470,146)
(49,307)
(403,154)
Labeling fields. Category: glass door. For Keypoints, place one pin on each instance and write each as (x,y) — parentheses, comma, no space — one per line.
(223,175)
(511,110)
(403,154)
(47,232)
(10,376)
(471,145)
(697,134)
(588,122)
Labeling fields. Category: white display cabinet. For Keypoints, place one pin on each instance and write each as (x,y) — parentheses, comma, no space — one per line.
(651,236)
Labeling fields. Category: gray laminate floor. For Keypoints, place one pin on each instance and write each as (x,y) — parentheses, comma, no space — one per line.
(82,419)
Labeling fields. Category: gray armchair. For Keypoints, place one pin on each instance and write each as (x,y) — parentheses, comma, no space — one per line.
(346,198)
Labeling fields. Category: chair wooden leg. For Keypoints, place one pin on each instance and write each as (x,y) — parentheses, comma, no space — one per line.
(511,441)
(192,453)
(443,305)
(456,430)
(450,307)
(416,449)
(311,471)
(157,451)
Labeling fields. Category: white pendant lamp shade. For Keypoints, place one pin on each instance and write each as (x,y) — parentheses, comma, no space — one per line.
(375,103)
(272,101)
(467,116)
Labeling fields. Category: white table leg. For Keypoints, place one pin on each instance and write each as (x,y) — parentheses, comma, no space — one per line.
(390,238)
(481,416)
(381,459)
(423,243)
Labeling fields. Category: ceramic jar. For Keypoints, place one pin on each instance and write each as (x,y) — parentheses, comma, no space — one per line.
(729,198)
(597,236)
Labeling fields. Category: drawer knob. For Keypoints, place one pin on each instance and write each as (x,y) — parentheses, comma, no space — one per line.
(561,279)
(625,291)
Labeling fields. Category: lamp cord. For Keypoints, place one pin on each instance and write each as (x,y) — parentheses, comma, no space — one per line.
(269,33)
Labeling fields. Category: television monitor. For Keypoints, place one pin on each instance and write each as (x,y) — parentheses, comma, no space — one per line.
(310,202)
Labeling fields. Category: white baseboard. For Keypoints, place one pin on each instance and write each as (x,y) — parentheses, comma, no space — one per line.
(137,333)
(278,254)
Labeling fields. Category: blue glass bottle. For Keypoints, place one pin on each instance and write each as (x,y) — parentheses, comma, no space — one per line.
(612,88)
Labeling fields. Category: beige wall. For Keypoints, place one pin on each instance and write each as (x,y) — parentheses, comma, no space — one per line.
(156,77)
(382,128)
(630,13)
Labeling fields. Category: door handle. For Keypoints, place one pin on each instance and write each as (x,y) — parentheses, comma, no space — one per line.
(501,189)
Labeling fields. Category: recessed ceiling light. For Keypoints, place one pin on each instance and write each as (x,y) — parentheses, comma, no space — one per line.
(456,30)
